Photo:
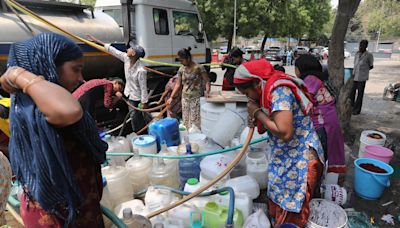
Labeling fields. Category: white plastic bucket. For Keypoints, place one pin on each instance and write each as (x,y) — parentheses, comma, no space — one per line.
(370,137)
(226,127)
(324,214)
(335,193)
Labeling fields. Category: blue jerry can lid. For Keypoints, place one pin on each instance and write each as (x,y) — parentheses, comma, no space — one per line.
(144,140)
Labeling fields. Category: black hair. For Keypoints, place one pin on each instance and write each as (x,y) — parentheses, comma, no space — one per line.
(280,68)
(236,52)
(364,41)
(309,65)
(119,81)
(184,53)
(245,85)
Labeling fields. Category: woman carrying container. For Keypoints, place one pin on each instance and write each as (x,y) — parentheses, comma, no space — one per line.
(55,151)
(323,114)
(279,104)
(190,77)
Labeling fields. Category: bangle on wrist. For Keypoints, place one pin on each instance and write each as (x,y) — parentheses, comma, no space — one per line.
(31,82)
(16,75)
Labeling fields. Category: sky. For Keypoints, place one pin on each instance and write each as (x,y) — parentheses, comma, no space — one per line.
(334,3)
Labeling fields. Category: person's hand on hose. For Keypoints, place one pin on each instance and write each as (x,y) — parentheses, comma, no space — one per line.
(119,95)
(169,101)
(251,122)
(252,108)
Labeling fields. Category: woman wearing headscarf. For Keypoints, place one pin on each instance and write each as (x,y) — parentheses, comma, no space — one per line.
(279,104)
(323,114)
(55,151)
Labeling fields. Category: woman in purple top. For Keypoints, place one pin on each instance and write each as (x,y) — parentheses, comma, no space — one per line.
(324,114)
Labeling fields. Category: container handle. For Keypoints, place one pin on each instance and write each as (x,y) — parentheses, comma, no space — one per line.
(387,184)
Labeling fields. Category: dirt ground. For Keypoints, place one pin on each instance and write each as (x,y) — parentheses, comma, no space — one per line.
(381,115)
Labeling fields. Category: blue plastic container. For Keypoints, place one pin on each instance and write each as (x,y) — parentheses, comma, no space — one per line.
(347,73)
(370,185)
(189,167)
(165,129)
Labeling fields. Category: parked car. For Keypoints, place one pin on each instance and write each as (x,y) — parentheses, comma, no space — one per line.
(301,50)
(325,53)
(249,52)
(274,48)
(346,54)
(316,52)
(273,54)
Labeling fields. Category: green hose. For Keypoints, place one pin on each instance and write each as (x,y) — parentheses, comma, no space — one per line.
(114,219)
(188,155)
(13,202)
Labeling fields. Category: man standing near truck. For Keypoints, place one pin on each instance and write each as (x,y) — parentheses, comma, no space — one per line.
(136,78)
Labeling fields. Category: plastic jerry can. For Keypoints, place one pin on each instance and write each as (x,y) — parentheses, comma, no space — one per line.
(166,129)
(215,216)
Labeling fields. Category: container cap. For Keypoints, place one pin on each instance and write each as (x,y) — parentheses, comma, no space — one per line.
(192,181)
(144,140)
(127,213)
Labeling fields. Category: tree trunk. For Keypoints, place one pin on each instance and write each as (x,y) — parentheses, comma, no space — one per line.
(345,12)
(230,39)
(263,43)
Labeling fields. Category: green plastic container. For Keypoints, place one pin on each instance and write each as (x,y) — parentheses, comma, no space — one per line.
(215,216)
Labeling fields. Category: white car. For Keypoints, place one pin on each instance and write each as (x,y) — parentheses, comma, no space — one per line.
(346,54)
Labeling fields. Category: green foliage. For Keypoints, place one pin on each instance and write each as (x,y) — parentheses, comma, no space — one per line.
(381,15)
(275,18)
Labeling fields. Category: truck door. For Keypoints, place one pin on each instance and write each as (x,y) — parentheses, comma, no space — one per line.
(153,32)
(185,29)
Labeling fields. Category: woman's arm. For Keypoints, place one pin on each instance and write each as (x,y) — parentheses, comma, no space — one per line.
(177,87)
(208,84)
(281,125)
(60,108)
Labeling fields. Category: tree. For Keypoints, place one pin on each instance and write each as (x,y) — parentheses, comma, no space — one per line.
(345,12)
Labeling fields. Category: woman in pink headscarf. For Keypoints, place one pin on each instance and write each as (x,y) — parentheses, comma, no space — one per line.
(279,104)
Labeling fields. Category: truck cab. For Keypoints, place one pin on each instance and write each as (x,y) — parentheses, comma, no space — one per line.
(162,28)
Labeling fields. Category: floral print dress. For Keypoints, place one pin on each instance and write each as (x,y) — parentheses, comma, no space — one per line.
(287,172)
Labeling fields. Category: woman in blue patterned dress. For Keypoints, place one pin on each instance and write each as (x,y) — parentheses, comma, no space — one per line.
(280,105)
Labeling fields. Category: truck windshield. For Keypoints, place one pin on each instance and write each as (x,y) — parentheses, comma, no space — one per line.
(186,23)
(116,14)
